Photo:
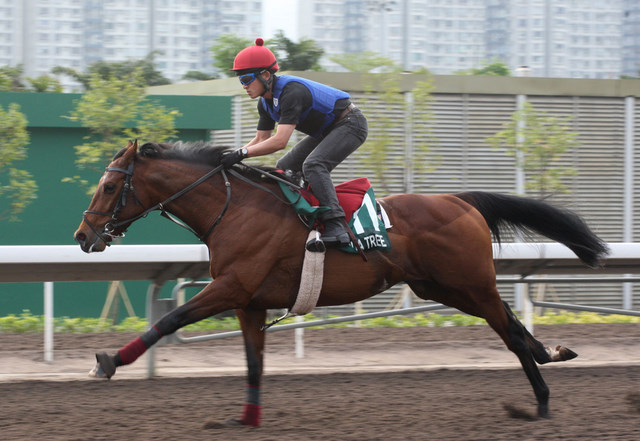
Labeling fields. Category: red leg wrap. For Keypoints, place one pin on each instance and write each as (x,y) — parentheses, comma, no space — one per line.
(251,415)
(132,351)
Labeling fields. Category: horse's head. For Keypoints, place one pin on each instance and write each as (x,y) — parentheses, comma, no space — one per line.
(114,199)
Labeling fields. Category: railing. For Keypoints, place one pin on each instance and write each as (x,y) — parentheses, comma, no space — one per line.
(519,263)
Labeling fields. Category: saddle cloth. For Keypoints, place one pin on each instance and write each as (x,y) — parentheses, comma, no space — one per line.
(365,216)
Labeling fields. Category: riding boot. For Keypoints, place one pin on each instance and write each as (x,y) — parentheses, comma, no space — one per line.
(336,234)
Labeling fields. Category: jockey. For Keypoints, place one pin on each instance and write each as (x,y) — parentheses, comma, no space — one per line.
(335,128)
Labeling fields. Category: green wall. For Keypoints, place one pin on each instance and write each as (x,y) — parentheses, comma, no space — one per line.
(53,217)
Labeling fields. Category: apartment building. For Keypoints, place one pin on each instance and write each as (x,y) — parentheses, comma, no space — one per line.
(559,38)
(42,34)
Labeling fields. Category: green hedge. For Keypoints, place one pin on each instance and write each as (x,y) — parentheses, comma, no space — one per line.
(27,322)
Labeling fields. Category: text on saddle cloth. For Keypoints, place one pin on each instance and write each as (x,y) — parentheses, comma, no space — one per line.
(365,216)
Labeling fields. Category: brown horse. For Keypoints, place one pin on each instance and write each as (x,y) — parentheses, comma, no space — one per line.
(441,247)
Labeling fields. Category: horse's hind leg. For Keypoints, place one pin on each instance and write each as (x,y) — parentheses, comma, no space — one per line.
(515,337)
(542,354)
(487,305)
(251,322)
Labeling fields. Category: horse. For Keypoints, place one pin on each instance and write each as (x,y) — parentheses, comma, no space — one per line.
(441,246)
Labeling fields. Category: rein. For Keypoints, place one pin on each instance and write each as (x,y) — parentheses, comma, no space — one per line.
(110,227)
(262,187)
(115,223)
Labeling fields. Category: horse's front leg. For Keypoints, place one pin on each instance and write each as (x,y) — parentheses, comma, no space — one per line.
(215,298)
(251,321)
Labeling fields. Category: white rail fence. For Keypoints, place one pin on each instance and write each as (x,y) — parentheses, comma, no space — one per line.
(519,263)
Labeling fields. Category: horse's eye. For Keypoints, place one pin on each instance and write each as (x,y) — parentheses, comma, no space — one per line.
(109,188)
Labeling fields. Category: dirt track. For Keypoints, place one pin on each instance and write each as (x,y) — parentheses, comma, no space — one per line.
(407,400)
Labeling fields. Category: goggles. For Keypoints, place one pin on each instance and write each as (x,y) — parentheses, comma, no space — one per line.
(247,79)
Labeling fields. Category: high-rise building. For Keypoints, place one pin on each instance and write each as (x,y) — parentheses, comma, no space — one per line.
(42,34)
(631,38)
(556,38)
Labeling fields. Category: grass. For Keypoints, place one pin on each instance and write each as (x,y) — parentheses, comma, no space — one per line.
(27,322)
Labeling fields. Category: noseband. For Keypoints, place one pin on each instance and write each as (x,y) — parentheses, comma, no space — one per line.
(121,202)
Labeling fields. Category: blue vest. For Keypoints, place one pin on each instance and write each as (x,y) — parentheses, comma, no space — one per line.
(323,100)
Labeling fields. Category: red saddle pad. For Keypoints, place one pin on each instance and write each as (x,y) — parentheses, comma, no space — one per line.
(349,193)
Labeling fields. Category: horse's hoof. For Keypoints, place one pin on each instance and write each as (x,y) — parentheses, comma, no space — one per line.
(543,411)
(104,368)
(566,353)
(560,353)
(238,423)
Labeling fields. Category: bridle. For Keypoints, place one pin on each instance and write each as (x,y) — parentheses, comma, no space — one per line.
(121,202)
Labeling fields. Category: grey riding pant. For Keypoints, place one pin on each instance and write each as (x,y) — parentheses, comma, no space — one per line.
(316,158)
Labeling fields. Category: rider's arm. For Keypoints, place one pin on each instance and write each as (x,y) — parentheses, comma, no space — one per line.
(264,143)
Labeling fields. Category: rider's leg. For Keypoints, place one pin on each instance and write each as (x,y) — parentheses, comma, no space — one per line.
(295,157)
(345,137)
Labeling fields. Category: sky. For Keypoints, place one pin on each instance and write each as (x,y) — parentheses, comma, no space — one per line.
(280,14)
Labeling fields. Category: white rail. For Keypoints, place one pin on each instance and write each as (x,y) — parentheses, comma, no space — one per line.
(161,263)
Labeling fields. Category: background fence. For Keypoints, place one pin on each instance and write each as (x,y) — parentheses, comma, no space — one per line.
(465,112)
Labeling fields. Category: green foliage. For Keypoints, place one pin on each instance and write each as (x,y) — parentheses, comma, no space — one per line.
(224,51)
(143,68)
(27,322)
(11,79)
(17,187)
(195,75)
(304,55)
(537,142)
(108,109)
(365,62)
(496,68)
(377,153)
(44,83)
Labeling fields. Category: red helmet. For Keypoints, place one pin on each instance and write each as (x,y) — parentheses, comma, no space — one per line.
(255,57)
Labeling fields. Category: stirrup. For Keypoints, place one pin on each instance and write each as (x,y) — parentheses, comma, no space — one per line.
(316,244)
(339,241)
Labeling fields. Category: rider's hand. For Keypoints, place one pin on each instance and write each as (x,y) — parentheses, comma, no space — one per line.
(231,158)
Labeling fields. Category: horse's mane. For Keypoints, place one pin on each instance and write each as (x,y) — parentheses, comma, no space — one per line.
(198,152)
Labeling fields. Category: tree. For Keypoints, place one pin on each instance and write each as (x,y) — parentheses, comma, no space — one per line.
(365,62)
(496,68)
(121,70)
(195,75)
(16,186)
(44,83)
(378,153)
(224,51)
(304,55)
(537,141)
(109,109)
(11,79)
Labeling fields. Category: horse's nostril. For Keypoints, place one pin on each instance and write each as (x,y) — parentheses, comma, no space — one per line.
(81,237)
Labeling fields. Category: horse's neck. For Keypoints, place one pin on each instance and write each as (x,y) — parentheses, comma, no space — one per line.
(202,205)
(195,206)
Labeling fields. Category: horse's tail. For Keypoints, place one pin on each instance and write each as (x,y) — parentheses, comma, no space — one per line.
(531,215)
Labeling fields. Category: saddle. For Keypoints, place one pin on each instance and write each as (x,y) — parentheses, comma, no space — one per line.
(365,216)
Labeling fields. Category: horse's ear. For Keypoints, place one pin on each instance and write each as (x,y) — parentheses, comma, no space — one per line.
(130,150)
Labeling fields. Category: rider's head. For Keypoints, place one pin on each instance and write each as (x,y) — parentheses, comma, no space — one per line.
(252,62)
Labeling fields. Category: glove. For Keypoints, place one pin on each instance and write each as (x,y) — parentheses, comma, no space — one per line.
(230,158)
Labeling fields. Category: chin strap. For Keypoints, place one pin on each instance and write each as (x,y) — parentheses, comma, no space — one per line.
(265,84)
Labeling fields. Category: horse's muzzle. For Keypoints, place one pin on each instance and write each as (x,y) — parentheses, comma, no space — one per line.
(89,244)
